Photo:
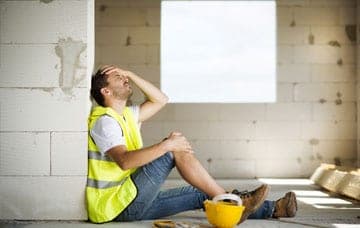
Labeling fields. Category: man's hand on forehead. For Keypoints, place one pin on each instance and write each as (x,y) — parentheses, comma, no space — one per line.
(109,69)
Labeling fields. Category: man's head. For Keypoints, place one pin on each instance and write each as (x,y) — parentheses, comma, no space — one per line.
(107,87)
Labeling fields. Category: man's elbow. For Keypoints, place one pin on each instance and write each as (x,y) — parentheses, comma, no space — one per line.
(164,100)
(123,165)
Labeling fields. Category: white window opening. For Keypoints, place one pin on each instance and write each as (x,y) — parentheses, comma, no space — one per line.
(218,51)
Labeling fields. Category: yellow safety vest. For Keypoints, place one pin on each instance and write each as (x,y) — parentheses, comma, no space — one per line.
(110,189)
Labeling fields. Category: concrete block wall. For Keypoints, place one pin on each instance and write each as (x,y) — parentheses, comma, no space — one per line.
(46,59)
(358,78)
(314,119)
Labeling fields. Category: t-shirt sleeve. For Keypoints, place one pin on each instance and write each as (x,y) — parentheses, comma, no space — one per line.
(107,134)
(136,110)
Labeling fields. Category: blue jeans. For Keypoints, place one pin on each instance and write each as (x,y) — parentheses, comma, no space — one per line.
(152,203)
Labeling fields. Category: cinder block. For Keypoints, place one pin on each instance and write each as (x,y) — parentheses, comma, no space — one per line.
(348,15)
(293,35)
(231,130)
(153,17)
(134,54)
(165,114)
(20,67)
(285,54)
(25,153)
(277,130)
(294,73)
(347,130)
(190,129)
(293,2)
(114,16)
(23,21)
(153,54)
(317,16)
(145,3)
(285,92)
(290,149)
(233,168)
(333,73)
(233,149)
(193,112)
(328,3)
(329,92)
(53,110)
(144,35)
(153,130)
(208,149)
(331,149)
(69,153)
(111,3)
(278,168)
(331,111)
(111,36)
(284,15)
(257,149)
(242,112)
(150,73)
(316,54)
(348,54)
(288,111)
(325,34)
(57,198)
(328,130)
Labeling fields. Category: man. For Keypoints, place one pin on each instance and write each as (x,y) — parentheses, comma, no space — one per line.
(124,178)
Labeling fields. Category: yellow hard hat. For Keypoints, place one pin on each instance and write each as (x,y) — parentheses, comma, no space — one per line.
(224,211)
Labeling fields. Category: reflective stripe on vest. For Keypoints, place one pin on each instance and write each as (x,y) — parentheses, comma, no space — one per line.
(98,156)
(104,184)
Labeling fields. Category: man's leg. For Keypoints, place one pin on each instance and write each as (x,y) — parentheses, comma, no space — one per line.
(196,175)
(176,200)
(148,180)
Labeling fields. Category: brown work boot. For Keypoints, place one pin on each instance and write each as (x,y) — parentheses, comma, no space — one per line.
(252,200)
(286,206)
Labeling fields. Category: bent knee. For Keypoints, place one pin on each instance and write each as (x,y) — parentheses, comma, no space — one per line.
(183,156)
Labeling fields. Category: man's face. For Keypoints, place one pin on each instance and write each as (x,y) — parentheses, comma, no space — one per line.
(119,86)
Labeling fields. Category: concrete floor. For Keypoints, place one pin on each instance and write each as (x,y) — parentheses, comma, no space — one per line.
(317,208)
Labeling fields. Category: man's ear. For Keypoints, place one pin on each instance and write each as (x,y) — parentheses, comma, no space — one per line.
(105,91)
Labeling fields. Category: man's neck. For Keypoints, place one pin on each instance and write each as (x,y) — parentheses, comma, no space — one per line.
(118,106)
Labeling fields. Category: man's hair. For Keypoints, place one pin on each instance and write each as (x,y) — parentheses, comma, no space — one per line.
(98,81)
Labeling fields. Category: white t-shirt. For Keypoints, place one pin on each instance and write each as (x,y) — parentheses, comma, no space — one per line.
(107,132)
